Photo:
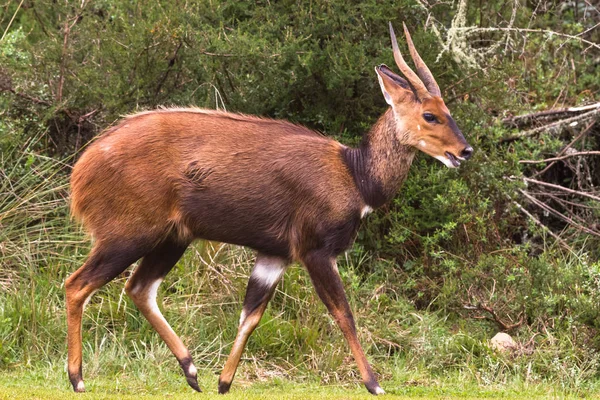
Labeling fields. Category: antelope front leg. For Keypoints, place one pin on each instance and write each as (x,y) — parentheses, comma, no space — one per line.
(324,274)
(261,285)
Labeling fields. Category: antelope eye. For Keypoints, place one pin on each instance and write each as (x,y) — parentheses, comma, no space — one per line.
(429,117)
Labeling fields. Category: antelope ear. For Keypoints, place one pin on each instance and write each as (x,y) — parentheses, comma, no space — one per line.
(393,87)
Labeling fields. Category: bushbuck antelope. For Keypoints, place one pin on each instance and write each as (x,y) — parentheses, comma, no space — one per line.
(160,179)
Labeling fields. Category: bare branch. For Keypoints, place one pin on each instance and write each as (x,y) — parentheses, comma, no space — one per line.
(555,197)
(577,192)
(25,96)
(217,54)
(495,318)
(584,132)
(556,126)
(580,153)
(544,227)
(11,20)
(526,119)
(172,61)
(558,214)
(69,24)
(473,29)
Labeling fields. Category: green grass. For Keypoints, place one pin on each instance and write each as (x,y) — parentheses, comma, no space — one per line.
(150,383)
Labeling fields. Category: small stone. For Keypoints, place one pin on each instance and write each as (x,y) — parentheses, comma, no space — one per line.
(503,342)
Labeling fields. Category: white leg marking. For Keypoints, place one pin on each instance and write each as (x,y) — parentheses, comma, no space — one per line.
(150,300)
(80,386)
(87,299)
(192,370)
(151,296)
(242,316)
(268,270)
(379,390)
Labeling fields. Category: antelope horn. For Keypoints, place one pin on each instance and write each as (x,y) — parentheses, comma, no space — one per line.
(422,70)
(413,79)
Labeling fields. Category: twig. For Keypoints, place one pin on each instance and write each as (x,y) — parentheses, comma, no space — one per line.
(63,59)
(567,147)
(569,210)
(594,114)
(39,20)
(589,29)
(386,342)
(469,29)
(557,213)
(555,197)
(169,67)
(217,54)
(80,122)
(521,120)
(581,153)
(11,20)
(26,96)
(503,325)
(578,192)
(544,227)
(447,89)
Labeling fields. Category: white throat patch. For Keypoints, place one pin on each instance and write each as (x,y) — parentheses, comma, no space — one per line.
(365,211)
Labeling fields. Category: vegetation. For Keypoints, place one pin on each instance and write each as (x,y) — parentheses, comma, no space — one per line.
(458,256)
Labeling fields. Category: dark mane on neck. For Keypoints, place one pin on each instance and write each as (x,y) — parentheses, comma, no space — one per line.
(381,163)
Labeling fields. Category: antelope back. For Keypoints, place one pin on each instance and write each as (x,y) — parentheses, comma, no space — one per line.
(219,176)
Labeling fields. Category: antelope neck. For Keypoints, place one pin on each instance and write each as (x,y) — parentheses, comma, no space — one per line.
(381,163)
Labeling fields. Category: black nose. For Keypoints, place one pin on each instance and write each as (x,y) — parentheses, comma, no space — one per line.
(466,153)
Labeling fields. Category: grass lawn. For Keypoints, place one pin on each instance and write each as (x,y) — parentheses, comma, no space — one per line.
(37,384)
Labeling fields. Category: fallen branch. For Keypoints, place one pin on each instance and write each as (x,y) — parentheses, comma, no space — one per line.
(386,342)
(527,119)
(584,132)
(555,126)
(577,192)
(472,29)
(558,214)
(562,201)
(544,227)
(503,325)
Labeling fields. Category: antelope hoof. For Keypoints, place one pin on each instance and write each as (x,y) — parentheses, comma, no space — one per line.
(191,373)
(79,387)
(77,382)
(375,390)
(224,387)
(193,382)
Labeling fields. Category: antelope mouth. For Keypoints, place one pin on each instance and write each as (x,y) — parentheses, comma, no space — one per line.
(455,161)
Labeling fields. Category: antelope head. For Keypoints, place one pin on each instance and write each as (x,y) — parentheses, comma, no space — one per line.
(422,119)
